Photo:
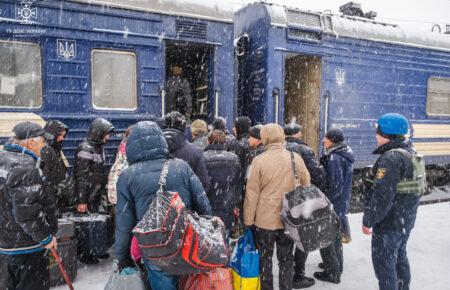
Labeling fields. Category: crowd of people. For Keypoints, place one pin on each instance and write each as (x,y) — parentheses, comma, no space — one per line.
(239,177)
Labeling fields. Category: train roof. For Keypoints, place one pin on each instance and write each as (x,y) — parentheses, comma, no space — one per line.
(356,27)
(214,10)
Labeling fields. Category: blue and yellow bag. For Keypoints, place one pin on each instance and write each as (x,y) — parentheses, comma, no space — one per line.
(245,264)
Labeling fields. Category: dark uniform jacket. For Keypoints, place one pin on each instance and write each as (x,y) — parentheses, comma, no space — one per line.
(89,171)
(338,164)
(53,166)
(137,185)
(180,148)
(24,225)
(385,209)
(315,169)
(223,170)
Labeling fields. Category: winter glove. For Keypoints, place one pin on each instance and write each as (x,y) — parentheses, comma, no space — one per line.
(252,228)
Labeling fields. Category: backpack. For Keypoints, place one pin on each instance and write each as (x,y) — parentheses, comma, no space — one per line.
(308,217)
(418,184)
(177,240)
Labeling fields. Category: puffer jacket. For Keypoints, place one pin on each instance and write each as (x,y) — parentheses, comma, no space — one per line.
(270,177)
(201,142)
(386,209)
(180,148)
(24,226)
(338,164)
(315,169)
(146,152)
(223,170)
(53,163)
(89,171)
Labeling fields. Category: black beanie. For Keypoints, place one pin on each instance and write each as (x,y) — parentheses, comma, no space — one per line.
(175,120)
(242,125)
(335,135)
(292,129)
(255,132)
(219,123)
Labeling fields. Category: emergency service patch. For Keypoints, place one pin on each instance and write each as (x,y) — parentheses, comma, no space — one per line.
(381,172)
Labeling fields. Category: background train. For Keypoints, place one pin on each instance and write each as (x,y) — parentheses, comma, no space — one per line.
(81,59)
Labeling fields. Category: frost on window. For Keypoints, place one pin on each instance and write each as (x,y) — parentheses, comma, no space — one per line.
(20,75)
(114,80)
(438,98)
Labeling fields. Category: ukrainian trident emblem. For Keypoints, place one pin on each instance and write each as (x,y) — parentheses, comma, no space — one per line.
(66,49)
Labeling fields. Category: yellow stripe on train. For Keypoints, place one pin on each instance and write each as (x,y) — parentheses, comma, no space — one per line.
(9,119)
(431,130)
(433,148)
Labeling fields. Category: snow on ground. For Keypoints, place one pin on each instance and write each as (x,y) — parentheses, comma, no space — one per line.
(428,252)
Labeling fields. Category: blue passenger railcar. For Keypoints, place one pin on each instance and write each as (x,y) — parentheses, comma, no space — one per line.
(82,59)
(340,71)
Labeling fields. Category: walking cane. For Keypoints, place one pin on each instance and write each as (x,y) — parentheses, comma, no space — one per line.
(61,267)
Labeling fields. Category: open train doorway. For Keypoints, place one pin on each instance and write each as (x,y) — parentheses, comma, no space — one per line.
(189,81)
(302,95)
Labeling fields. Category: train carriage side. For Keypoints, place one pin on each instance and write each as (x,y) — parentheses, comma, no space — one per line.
(79,60)
(331,71)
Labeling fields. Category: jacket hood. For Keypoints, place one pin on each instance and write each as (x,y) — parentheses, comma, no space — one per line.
(341,149)
(175,139)
(55,127)
(146,142)
(404,144)
(272,134)
(98,129)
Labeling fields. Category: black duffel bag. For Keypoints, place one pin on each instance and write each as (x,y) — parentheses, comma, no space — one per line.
(308,217)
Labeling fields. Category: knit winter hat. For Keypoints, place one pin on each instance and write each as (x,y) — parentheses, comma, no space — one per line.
(219,123)
(292,128)
(255,132)
(335,135)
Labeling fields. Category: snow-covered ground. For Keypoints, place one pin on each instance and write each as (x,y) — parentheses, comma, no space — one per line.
(428,251)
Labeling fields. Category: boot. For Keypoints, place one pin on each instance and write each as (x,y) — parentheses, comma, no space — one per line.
(324,276)
(103,256)
(302,282)
(89,260)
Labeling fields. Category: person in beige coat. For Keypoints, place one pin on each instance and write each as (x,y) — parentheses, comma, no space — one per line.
(270,177)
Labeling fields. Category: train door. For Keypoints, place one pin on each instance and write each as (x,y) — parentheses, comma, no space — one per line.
(189,79)
(302,95)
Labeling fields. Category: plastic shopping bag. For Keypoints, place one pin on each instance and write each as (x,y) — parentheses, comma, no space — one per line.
(245,264)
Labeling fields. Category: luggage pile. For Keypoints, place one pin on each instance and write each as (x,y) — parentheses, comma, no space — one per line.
(177,240)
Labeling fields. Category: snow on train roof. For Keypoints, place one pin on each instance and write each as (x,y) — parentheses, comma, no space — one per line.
(356,27)
(215,10)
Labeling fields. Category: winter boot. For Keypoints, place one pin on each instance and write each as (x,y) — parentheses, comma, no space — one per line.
(302,282)
(327,277)
(103,256)
(88,260)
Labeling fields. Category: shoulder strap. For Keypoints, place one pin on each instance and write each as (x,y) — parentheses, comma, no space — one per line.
(294,168)
(163,176)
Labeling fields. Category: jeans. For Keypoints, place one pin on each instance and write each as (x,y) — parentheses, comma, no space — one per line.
(158,279)
(26,272)
(389,259)
(265,241)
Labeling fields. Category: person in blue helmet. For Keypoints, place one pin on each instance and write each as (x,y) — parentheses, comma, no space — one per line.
(392,201)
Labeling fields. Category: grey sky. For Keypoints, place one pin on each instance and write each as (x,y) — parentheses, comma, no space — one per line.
(416,13)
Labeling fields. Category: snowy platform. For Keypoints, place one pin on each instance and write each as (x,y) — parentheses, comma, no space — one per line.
(428,251)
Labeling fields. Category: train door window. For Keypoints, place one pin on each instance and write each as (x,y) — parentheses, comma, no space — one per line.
(188,81)
(114,80)
(20,75)
(438,96)
(302,95)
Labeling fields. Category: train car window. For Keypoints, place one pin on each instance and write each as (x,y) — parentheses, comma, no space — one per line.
(438,97)
(20,75)
(114,80)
